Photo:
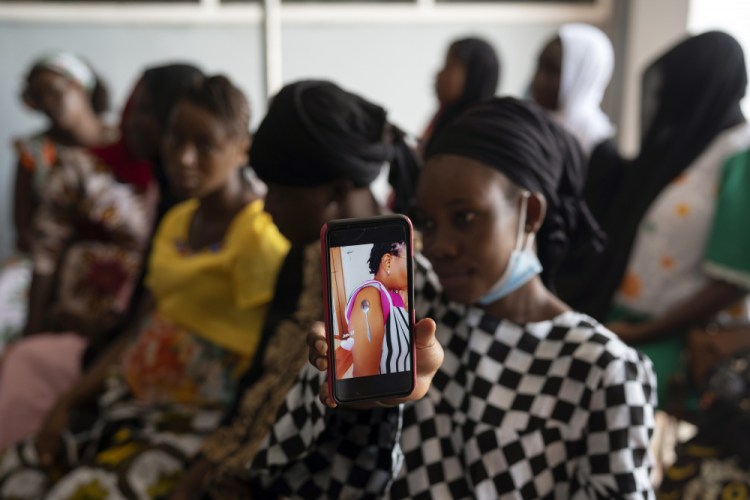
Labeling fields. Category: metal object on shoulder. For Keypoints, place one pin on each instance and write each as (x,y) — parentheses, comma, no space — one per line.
(366,308)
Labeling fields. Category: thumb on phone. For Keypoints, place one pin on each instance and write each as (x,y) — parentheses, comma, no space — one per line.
(429,356)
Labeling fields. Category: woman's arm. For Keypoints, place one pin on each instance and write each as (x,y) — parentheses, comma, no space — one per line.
(695,311)
(23,208)
(427,349)
(367,347)
(617,462)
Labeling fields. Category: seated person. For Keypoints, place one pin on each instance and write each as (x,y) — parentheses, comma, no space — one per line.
(526,397)
(91,232)
(321,150)
(65,89)
(161,390)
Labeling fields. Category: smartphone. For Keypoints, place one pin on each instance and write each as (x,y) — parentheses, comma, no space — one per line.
(368,282)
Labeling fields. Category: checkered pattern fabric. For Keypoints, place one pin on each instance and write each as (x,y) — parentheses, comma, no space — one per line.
(557,409)
(314,452)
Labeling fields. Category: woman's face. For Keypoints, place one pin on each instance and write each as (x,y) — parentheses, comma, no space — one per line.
(141,128)
(545,87)
(58,97)
(469,225)
(397,277)
(200,152)
(300,211)
(450,80)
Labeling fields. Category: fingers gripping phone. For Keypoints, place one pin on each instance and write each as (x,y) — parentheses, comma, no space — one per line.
(368,278)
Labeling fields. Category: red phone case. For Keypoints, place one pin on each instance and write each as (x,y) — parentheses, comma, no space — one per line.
(326,309)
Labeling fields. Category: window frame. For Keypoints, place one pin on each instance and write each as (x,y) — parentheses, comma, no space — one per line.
(273,15)
(211,12)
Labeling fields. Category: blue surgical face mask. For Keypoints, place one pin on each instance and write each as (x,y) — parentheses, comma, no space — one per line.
(522,266)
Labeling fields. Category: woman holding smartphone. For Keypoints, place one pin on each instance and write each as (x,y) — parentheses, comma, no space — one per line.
(529,399)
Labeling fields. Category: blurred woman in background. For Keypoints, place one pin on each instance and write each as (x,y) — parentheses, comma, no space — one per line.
(572,74)
(91,234)
(678,250)
(470,73)
(64,88)
(163,388)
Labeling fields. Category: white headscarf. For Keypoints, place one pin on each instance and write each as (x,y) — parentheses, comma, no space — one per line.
(587,64)
(69,65)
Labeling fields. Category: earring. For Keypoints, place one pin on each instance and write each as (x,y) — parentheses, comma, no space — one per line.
(388,271)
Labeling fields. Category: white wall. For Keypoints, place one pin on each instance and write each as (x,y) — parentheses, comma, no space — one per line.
(395,65)
(355,267)
(392,64)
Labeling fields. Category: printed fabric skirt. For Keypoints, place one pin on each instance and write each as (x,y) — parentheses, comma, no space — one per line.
(131,446)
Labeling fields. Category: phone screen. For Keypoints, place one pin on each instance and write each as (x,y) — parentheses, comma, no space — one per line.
(370,299)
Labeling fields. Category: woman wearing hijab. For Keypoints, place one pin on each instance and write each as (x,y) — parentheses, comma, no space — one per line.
(470,74)
(65,89)
(572,73)
(678,251)
(91,234)
(529,399)
(319,149)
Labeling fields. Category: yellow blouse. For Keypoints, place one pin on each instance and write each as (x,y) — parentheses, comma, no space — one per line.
(221,293)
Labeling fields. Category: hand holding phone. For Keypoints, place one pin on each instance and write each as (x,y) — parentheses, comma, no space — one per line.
(427,351)
(368,277)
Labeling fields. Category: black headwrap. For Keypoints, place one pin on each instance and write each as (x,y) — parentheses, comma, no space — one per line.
(518,139)
(482,69)
(690,95)
(315,132)
(482,76)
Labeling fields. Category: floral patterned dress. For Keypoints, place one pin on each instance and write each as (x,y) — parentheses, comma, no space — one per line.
(90,236)
(37,155)
(178,375)
(694,232)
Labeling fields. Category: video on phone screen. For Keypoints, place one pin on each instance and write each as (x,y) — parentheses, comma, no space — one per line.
(369,297)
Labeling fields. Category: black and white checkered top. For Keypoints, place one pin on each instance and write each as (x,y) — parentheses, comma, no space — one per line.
(557,409)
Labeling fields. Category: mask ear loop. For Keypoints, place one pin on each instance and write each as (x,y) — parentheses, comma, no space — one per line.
(522,223)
